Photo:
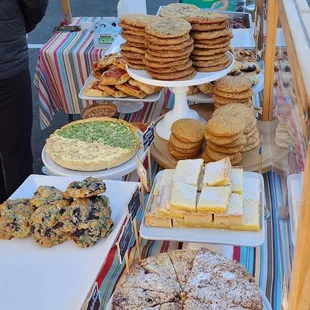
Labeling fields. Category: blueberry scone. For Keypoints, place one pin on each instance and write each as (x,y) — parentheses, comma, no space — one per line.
(86,188)
(45,226)
(87,220)
(45,195)
(14,218)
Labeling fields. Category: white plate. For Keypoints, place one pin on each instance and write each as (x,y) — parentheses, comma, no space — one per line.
(33,277)
(151,98)
(199,78)
(113,173)
(203,98)
(207,235)
(294,214)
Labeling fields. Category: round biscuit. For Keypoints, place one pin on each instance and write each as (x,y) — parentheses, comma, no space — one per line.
(209,52)
(250,147)
(207,17)
(172,75)
(184,145)
(164,42)
(178,10)
(234,158)
(224,149)
(208,27)
(224,126)
(138,20)
(208,35)
(233,84)
(214,68)
(226,141)
(188,130)
(175,47)
(179,155)
(245,95)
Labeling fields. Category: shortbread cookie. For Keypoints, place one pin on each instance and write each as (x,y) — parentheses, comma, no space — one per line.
(208,35)
(44,195)
(224,149)
(45,224)
(184,52)
(175,47)
(162,60)
(14,218)
(164,42)
(228,141)
(208,52)
(188,130)
(208,27)
(233,84)
(208,17)
(87,188)
(224,126)
(179,10)
(168,28)
(172,75)
(242,95)
(133,49)
(138,20)
(223,100)
(234,158)
(158,65)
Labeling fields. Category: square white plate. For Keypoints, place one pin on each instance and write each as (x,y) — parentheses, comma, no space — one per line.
(206,235)
(37,278)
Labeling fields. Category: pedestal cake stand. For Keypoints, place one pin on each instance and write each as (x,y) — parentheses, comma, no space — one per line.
(179,88)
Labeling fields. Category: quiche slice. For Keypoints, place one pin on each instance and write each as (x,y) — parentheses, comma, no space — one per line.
(93,144)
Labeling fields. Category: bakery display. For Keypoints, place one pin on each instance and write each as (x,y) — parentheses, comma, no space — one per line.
(52,216)
(93,144)
(187,279)
(230,132)
(186,138)
(195,195)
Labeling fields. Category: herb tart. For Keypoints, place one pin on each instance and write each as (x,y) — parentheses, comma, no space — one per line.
(93,144)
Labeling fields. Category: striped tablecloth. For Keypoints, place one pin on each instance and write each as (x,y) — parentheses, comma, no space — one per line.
(269,263)
(63,66)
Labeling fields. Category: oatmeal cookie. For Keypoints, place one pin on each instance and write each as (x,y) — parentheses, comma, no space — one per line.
(208,27)
(242,95)
(164,42)
(45,226)
(87,220)
(197,35)
(14,218)
(214,68)
(179,10)
(233,84)
(225,126)
(44,195)
(138,20)
(228,141)
(188,130)
(234,158)
(207,17)
(175,47)
(86,188)
(209,52)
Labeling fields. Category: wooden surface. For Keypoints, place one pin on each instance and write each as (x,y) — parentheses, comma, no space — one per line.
(250,161)
(272,19)
(300,281)
(66,10)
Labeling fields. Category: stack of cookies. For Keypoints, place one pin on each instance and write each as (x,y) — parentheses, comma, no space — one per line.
(230,132)
(187,137)
(232,89)
(169,47)
(134,33)
(212,40)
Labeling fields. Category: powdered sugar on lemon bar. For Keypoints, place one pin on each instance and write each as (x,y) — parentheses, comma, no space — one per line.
(217,173)
(188,171)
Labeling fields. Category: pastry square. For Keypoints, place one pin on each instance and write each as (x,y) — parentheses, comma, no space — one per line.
(236,177)
(233,214)
(217,173)
(183,197)
(250,215)
(252,189)
(156,190)
(214,199)
(188,171)
(167,177)
(198,220)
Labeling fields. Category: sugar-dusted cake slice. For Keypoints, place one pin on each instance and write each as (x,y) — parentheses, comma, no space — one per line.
(251,216)
(198,220)
(217,173)
(252,189)
(167,177)
(183,197)
(153,220)
(156,190)
(233,214)
(214,199)
(236,177)
(188,171)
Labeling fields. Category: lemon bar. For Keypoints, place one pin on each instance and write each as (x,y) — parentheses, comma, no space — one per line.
(167,177)
(233,214)
(214,199)
(217,173)
(250,215)
(178,223)
(197,220)
(251,190)
(236,177)
(183,197)
(188,171)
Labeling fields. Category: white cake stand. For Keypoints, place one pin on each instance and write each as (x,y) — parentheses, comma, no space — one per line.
(179,88)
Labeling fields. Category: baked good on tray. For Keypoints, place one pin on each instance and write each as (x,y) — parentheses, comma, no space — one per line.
(187,279)
(93,144)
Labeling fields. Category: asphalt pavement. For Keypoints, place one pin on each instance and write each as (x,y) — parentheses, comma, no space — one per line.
(41,35)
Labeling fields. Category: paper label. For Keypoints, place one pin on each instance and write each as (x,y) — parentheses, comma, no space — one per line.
(105,39)
(148,137)
(124,239)
(141,172)
(134,203)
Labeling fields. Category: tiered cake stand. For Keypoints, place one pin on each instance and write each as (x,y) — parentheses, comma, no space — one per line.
(179,88)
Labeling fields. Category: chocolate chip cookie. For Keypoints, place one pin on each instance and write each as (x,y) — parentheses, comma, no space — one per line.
(87,220)
(86,188)
(44,195)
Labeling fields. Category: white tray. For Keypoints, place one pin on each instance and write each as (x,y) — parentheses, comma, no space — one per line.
(203,98)
(33,277)
(113,173)
(294,214)
(151,98)
(206,235)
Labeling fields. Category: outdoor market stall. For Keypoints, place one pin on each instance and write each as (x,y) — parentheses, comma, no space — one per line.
(273,165)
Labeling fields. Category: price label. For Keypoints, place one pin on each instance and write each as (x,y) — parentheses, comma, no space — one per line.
(142,172)
(148,137)
(105,39)
(134,203)
(94,302)
(124,239)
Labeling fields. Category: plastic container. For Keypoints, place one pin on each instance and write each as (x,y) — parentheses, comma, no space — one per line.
(106,31)
(130,6)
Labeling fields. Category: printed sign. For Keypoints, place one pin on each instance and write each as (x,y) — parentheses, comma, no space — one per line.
(105,39)
(124,239)
(148,137)
(94,302)
(141,172)
(134,203)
